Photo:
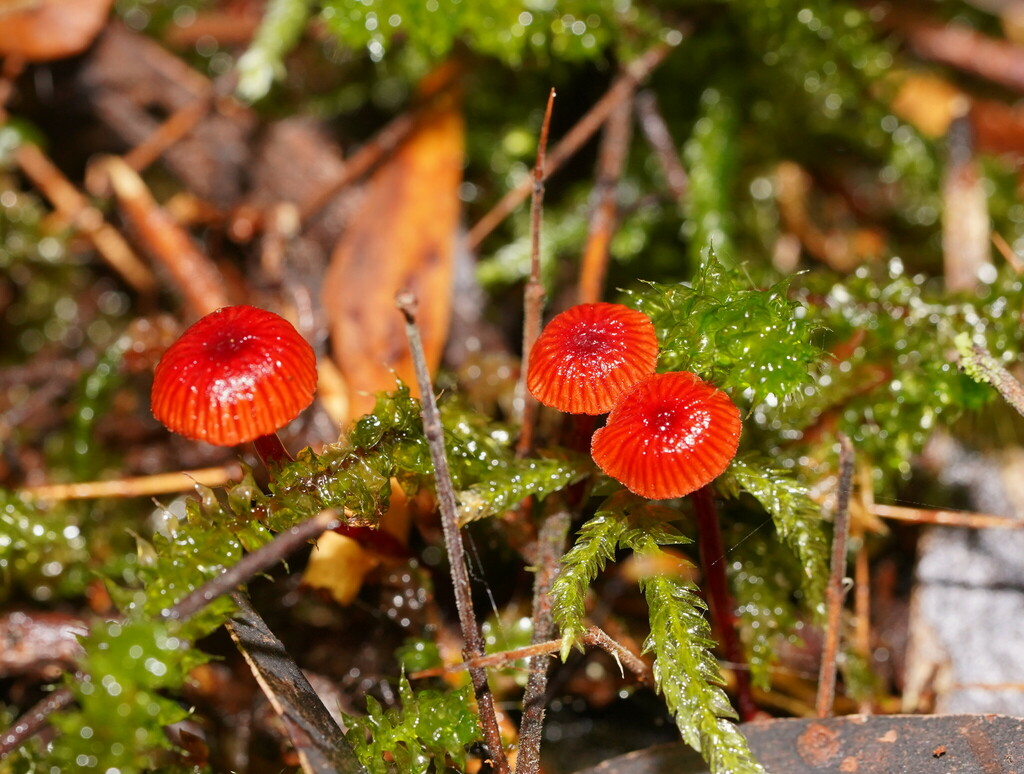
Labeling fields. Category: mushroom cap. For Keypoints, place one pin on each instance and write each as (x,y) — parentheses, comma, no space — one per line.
(672,434)
(588,356)
(237,374)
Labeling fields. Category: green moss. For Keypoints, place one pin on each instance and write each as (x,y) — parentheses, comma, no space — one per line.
(756,342)
(427,731)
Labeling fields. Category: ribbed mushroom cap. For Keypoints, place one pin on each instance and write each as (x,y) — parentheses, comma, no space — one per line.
(236,375)
(589,356)
(670,435)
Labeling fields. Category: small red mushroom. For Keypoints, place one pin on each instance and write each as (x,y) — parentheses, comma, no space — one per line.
(238,374)
(670,435)
(589,356)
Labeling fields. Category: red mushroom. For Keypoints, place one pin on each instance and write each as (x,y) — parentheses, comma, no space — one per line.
(670,435)
(589,356)
(239,374)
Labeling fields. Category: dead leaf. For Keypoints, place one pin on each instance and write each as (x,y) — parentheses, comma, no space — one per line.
(44,30)
(402,238)
(929,102)
(338,565)
(342,559)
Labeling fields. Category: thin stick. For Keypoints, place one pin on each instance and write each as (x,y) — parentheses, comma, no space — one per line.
(472,638)
(75,209)
(966,223)
(982,366)
(946,518)
(194,275)
(361,162)
(862,580)
(137,486)
(610,163)
(834,592)
(655,129)
(533,295)
(252,564)
(550,547)
(1007,252)
(623,86)
(998,60)
(712,559)
(501,659)
(180,123)
(33,720)
(594,637)
(382,143)
(862,608)
(599,638)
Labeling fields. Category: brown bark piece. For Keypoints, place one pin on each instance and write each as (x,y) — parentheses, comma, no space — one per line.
(881,744)
(133,84)
(296,161)
(402,238)
(321,747)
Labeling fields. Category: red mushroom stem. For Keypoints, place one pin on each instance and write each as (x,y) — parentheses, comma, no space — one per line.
(271,450)
(720,600)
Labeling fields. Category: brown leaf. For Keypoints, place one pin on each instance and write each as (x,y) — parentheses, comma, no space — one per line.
(43,30)
(929,102)
(338,565)
(402,238)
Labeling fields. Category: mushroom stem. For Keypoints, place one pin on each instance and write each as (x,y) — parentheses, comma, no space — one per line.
(712,559)
(271,450)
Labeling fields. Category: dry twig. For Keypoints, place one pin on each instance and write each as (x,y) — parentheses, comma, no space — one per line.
(623,87)
(75,209)
(610,163)
(946,518)
(471,635)
(1000,61)
(834,593)
(533,295)
(550,547)
(655,129)
(382,143)
(253,564)
(194,274)
(137,486)
(595,636)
